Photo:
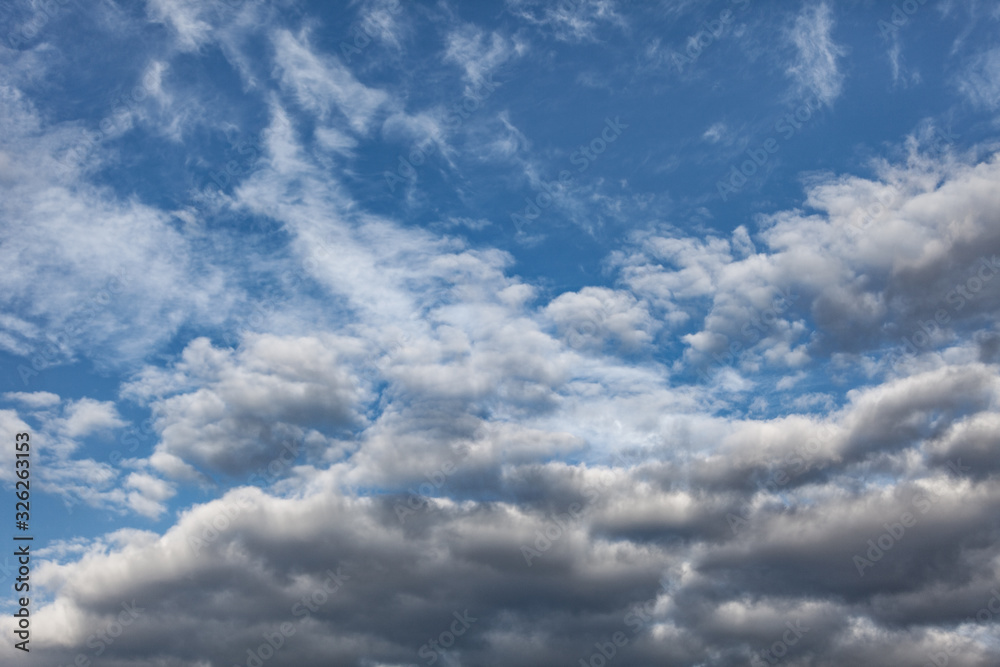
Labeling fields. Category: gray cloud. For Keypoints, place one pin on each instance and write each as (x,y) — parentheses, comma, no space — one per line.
(466,445)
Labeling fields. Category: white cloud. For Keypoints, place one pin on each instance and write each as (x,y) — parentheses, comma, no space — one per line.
(569,20)
(148,495)
(477,224)
(108,276)
(228,411)
(893,248)
(321,83)
(187,19)
(595,315)
(480,53)
(816,69)
(86,416)
(395,352)
(716,133)
(721,470)
(195,23)
(382,18)
(34,399)
(980,82)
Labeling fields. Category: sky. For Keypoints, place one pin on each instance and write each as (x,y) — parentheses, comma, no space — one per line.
(502,333)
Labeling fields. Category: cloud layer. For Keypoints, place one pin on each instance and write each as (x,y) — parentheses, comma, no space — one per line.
(381,430)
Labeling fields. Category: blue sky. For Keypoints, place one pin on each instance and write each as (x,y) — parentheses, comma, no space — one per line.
(718,273)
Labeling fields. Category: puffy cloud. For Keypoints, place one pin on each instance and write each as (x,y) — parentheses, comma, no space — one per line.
(230,412)
(433,436)
(87,416)
(595,315)
(573,555)
(148,494)
(58,430)
(916,248)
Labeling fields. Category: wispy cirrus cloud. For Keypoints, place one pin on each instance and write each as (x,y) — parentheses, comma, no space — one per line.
(980,83)
(815,68)
(698,427)
(570,20)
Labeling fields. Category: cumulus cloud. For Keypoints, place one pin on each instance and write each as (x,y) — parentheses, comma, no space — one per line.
(595,315)
(87,416)
(231,412)
(724,563)
(411,435)
(61,434)
(916,247)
